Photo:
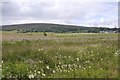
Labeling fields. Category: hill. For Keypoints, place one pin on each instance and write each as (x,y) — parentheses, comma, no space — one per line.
(59,28)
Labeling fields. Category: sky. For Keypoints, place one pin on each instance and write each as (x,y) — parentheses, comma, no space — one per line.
(73,12)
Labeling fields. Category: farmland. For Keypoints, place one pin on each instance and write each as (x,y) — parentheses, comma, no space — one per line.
(59,55)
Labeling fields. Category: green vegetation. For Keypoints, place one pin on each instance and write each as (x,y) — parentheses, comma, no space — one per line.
(59,55)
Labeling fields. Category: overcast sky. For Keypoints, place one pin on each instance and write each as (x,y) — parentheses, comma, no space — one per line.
(77,12)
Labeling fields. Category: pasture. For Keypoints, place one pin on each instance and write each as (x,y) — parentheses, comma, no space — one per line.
(59,55)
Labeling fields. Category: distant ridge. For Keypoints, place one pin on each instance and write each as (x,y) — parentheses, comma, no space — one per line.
(51,27)
(40,23)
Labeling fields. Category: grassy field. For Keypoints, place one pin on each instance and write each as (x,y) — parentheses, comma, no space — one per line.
(65,55)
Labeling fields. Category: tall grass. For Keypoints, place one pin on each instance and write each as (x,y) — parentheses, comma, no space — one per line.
(65,56)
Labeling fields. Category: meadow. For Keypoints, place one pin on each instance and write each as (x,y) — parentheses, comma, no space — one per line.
(59,55)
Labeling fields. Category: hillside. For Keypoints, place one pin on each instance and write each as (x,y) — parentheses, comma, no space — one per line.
(59,28)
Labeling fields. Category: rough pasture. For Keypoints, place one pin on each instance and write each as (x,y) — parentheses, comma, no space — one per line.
(65,55)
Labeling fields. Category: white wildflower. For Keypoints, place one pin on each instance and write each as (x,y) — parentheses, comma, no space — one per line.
(42,70)
(38,72)
(44,52)
(64,75)
(43,74)
(69,56)
(80,66)
(60,70)
(65,57)
(69,65)
(1,61)
(31,76)
(64,65)
(47,67)
(59,63)
(84,68)
(89,66)
(77,59)
(91,51)
(39,49)
(53,71)
(40,61)
(87,62)
(117,53)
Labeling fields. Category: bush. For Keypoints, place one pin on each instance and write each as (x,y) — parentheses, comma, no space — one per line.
(44,33)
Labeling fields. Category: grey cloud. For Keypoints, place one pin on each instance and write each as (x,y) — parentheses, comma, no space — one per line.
(60,11)
(10,9)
